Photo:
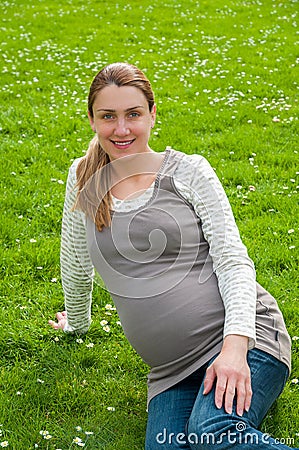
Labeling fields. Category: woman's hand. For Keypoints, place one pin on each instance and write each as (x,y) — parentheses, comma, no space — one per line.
(61,321)
(232,375)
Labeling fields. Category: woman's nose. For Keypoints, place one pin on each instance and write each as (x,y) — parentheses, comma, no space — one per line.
(121,128)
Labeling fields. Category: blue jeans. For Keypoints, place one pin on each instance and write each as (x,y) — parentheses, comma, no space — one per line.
(183,418)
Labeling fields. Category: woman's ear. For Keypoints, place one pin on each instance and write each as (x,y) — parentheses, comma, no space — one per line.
(153,114)
(91,121)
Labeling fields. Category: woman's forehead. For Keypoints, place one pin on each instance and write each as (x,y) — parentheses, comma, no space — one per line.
(115,98)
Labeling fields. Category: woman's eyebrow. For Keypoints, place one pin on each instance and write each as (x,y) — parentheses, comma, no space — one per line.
(126,110)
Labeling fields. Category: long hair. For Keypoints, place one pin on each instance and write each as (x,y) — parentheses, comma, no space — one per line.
(93,194)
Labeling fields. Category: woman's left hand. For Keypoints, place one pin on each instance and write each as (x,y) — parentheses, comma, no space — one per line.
(232,374)
(61,321)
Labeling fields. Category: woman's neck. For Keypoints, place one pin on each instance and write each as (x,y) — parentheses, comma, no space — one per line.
(132,175)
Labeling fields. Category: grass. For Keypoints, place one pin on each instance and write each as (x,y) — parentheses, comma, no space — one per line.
(226,82)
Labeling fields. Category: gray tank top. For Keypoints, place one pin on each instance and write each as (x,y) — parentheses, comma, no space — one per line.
(155,263)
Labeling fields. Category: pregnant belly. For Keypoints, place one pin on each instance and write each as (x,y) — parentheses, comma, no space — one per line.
(165,328)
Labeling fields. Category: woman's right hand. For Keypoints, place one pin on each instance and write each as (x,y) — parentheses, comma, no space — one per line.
(61,321)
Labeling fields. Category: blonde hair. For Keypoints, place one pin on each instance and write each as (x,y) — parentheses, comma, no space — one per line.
(93,194)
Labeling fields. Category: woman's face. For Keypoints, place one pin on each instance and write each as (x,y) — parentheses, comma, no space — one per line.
(122,120)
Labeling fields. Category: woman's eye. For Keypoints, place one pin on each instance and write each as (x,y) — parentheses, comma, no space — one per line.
(108,117)
(134,115)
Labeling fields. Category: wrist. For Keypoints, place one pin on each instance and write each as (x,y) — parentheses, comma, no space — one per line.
(235,342)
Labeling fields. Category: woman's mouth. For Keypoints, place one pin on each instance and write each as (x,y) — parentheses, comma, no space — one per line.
(123,144)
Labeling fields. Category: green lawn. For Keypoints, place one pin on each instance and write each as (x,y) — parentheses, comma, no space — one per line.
(225,74)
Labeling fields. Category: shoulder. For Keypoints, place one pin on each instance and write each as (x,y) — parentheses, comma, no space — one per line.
(72,173)
(74,165)
(190,165)
(193,159)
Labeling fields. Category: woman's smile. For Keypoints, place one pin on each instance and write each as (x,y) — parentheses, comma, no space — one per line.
(122,144)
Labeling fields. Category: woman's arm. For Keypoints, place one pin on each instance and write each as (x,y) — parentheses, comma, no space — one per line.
(76,266)
(198,183)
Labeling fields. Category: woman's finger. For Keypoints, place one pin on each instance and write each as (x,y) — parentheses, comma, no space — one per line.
(53,324)
(241,395)
(220,390)
(209,379)
(230,392)
(248,395)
